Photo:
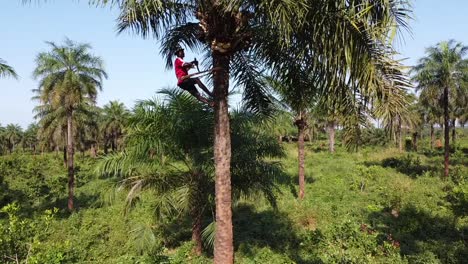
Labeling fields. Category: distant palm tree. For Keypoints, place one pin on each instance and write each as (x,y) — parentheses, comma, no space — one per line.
(431,111)
(2,140)
(6,70)
(30,138)
(443,73)
(396,114)
(69,76)
(114,119)
(13,135)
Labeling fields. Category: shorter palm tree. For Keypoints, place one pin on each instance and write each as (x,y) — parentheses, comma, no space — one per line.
(30,138)
(13,135)
(168,151)
(113,121)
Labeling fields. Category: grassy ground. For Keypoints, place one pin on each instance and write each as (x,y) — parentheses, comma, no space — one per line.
(374,206)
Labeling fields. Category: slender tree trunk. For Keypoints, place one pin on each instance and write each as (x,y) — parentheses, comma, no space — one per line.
(301,124)
(432,136)
(71,175)
(197,210)
(446,132)
(105,147)
(224,246)
(65,150)
(113,143)
(400,139)
(93,150)
(454,132)
(331,136)
(197,230)
(415,141)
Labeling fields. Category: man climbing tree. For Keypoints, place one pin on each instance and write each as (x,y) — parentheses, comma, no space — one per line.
(185,82)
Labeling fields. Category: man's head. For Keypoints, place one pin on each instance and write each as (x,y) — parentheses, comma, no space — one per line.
(179,52)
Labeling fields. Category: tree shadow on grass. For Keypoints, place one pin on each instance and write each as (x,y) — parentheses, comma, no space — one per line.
(409,165)
(271,229)
(420,233)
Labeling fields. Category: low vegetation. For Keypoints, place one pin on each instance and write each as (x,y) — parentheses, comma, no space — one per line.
(377,205)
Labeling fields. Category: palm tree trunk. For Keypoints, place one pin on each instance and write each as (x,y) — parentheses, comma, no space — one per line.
(446,132)
(223,247)
(400,139)
(65,149)
(71,176)
(454,132)
(105,147)
(432,136)
(113,143)
(415,141)
(93,150)
(300,123)
(197,230)
(197,210)
(331,136)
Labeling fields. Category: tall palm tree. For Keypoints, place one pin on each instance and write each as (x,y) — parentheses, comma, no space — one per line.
(114,119)
(443,72)
(6,70)
(69,76)
(239,37)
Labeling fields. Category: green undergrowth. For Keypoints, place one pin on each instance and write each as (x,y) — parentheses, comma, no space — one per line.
(373,206)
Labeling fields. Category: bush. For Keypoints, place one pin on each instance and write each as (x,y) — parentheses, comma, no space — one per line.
(350,242)
(458,198)
(409,165)
(20,237)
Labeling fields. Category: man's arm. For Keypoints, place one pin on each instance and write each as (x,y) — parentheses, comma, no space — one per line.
(188,65)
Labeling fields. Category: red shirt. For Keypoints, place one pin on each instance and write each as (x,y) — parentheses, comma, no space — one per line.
(180,71)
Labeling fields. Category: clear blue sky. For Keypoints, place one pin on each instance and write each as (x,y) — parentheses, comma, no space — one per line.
(136,70)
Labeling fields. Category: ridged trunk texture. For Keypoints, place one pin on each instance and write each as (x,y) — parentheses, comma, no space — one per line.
(446,132)
(71,175)
(197,232)
(224,246)
(301,125)
(331,136)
